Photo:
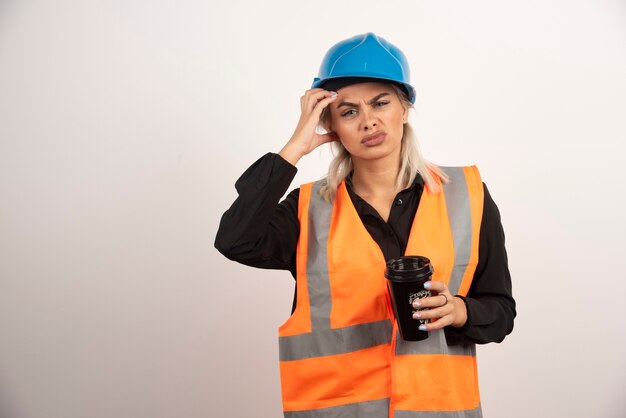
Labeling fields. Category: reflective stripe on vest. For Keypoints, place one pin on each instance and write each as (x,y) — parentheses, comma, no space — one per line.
(337,356)
(473,413)
(458,206)
(369,409)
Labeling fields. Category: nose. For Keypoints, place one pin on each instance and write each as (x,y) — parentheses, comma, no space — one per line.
(369,120)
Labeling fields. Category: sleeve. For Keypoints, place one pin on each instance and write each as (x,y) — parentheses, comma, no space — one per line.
(490,304)
(257,230)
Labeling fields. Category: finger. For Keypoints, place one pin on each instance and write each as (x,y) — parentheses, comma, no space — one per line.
(310,92)
(434,313)
(313,98)
(305,99)
(316,94)
(432,301)
(319,106)
(328,137)
(436,286)
(439,323)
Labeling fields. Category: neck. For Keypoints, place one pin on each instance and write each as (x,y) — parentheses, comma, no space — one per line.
(375,178)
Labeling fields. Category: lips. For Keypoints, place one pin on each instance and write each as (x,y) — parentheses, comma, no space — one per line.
(373,137)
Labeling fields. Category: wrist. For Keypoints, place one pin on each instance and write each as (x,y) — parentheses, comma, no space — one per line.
(290,154)
(460,308)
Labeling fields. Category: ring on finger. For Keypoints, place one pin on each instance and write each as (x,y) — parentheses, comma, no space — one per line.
(446,302)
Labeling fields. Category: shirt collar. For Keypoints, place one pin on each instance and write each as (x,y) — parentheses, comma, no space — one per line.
(417,186)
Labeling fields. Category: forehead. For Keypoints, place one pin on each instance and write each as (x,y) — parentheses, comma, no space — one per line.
(364,90)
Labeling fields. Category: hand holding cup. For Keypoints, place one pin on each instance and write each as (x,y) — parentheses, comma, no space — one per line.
(442,309)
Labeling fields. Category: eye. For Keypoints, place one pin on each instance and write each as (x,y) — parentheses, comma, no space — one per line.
(377,104)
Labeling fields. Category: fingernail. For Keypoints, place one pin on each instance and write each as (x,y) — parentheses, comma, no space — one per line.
(333,94)
(417,315)
(427,285)
(417,304)
(422,328)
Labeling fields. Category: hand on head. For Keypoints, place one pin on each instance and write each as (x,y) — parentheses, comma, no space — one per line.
(305,138)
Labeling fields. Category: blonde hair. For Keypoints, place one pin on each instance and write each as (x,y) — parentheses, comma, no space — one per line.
(411,159)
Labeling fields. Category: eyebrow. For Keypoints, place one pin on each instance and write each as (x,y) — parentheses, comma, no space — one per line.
(356,105)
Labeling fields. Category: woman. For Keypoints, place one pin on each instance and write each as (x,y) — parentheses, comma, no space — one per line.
(340,351)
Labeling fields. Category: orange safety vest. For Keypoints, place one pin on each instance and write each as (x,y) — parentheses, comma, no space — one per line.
(341,354)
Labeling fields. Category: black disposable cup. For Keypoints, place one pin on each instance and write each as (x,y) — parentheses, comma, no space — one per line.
(406,277)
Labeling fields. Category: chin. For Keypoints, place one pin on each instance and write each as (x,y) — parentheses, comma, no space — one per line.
(373,154)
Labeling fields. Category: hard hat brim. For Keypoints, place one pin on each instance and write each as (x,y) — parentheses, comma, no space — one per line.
(336,83)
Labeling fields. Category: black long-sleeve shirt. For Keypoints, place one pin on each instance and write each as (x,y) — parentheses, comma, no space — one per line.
(259,231)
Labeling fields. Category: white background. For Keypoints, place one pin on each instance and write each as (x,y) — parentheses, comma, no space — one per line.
(125,124)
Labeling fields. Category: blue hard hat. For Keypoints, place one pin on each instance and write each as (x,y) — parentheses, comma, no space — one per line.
(365,56)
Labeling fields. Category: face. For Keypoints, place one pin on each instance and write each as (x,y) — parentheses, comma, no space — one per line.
(366,108)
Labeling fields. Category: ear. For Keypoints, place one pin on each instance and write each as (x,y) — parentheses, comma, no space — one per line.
(330,126)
